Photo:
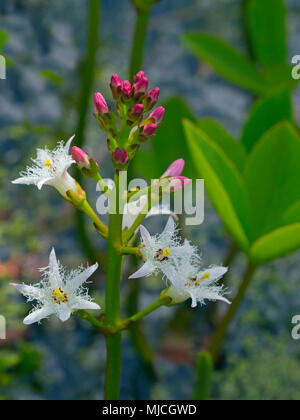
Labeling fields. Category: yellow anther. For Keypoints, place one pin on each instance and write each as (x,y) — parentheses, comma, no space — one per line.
(48,163)
(205,276)
(166,252)
(59,296)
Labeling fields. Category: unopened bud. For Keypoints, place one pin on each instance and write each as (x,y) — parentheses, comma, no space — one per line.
(158,114)
(100,104)
(126,90)
(136,112)
(149,130)
(120,156)
(175,169)
(86,164)
(151,99)
(116,86)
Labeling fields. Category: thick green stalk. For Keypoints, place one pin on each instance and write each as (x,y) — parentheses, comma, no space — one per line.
(112,300)
(87,81)
(221,331)
(138,44)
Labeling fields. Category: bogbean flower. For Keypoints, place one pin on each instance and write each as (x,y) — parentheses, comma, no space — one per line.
(164,253)
(60,292)
(199,285)
(50,168)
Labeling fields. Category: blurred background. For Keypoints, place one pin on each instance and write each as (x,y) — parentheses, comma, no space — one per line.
(42,100)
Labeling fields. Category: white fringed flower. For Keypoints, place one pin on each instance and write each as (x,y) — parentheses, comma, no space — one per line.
(50,168)
(60,292)
(164,253)
(199,286)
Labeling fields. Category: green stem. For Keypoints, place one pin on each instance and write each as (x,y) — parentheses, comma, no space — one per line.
(112,299)
(146,311)
(137,51)
(101,227)
(221,331)
(128,250)
(86,90)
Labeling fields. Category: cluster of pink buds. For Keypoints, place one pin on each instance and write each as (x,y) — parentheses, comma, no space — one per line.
(139,121)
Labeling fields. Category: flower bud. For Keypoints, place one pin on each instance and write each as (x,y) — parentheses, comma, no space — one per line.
(86,164)
(151,99)
(100,104)
(120,156)
(116,86)
(149,130)
(126,90)
(138,76)
(136,112)
(175,169)
(178,183)
(158,114)
(141,86)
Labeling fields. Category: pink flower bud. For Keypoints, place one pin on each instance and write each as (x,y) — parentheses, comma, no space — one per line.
(138,76)
(120,156)
(149,130)
(115,81)
(100,104)
(153,95)
(179,182)
(175,169)
(141,85)
(116,86)
(137,110)
(158,114)
(81,158)
(126,88)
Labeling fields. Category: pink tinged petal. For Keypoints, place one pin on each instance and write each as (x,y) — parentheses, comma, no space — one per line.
(68,144)
(28,291)
(77,281)
(139,75)
(120,156)
(64,312)
(85,304)
(146,237)
(175,169)
(144,271)
(126,88)
(141,85)
(36,316)
(179,182)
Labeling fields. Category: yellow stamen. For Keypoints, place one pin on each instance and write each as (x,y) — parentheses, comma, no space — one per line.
(166,252)
(205,276)
(48,163)
(59,296)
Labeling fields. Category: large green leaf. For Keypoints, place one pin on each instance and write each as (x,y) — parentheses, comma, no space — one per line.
(169,143)
(222,182)
(267,112)
(233,148)
(226,61)
(276,244)
(267,30)
(272,178)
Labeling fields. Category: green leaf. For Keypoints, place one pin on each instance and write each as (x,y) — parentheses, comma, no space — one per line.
(276,244)
(233,148)
(222,182)
(272,178)
(267,112)
(267,30)
(228,62)
(169,143)
(204,372)
(292,215)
